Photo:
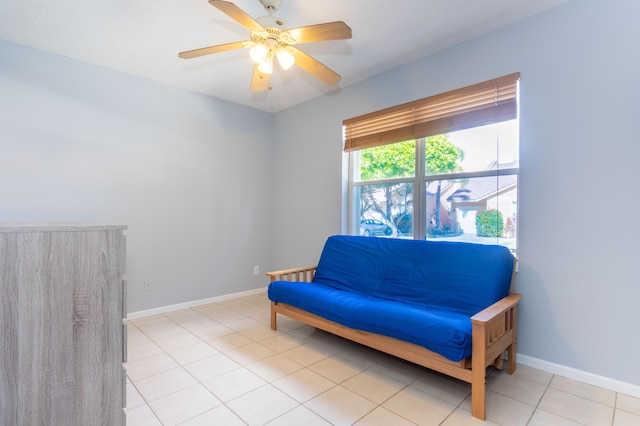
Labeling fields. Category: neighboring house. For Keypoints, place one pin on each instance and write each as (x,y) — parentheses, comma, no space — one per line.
(464,199)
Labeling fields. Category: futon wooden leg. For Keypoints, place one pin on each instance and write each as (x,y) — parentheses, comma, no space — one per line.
(511,350)
(499,362)
(511,363)
(478,386)
(273,316)
(478,372)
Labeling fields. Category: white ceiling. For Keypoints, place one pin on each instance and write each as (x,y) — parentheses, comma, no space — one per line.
(143,38)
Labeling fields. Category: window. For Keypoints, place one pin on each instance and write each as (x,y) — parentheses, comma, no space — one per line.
(444,167)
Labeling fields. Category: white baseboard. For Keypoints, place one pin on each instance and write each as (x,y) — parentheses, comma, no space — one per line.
(194,303)
(550,367)
(580,375)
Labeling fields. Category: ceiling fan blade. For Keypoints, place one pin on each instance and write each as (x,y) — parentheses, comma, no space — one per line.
(330,31)
(259,81)
(237,14)
(315,68)
(215,49)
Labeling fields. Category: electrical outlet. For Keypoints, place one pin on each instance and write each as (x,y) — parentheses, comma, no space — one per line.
(147,286)
(256,270)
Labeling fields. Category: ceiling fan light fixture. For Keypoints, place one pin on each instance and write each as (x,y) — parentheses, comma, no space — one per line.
(266,67)
(259,53)
(285,59)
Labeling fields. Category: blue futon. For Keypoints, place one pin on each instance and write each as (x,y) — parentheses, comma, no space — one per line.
(447,306)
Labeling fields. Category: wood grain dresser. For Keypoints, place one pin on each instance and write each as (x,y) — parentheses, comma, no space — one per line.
(62,337)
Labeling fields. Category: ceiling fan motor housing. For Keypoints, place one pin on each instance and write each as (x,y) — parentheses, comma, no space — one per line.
(270,22)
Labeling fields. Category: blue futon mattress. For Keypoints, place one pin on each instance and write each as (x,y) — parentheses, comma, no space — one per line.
(444,332)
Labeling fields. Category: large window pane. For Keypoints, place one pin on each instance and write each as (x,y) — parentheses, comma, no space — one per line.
(479,210)
(385,209)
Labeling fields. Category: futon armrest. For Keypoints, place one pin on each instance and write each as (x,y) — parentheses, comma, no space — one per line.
(494,331)
(304,274)
(500,307)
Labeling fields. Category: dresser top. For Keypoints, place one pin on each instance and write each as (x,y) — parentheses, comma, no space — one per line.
(57,227)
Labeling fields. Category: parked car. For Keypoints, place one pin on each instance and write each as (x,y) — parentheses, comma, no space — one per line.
(371,227)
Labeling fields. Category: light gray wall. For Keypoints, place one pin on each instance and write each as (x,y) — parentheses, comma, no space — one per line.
(579,195)
(187,173)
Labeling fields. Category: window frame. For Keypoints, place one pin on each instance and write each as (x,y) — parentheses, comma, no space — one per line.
(505,107)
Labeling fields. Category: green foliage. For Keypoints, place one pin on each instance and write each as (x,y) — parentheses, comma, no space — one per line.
(398,159)
(442,155)
(388,161)
(444,231)
(489,223)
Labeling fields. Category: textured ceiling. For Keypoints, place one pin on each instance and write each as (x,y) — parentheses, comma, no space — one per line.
(143,38)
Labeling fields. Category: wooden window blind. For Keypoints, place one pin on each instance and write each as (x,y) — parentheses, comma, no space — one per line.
(479,104)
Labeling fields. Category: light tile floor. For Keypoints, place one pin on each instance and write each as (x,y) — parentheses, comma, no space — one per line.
(221,364)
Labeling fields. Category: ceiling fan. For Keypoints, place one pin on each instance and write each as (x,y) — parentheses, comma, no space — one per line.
(269,40)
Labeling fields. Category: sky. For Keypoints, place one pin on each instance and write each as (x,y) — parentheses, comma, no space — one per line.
(481,143)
